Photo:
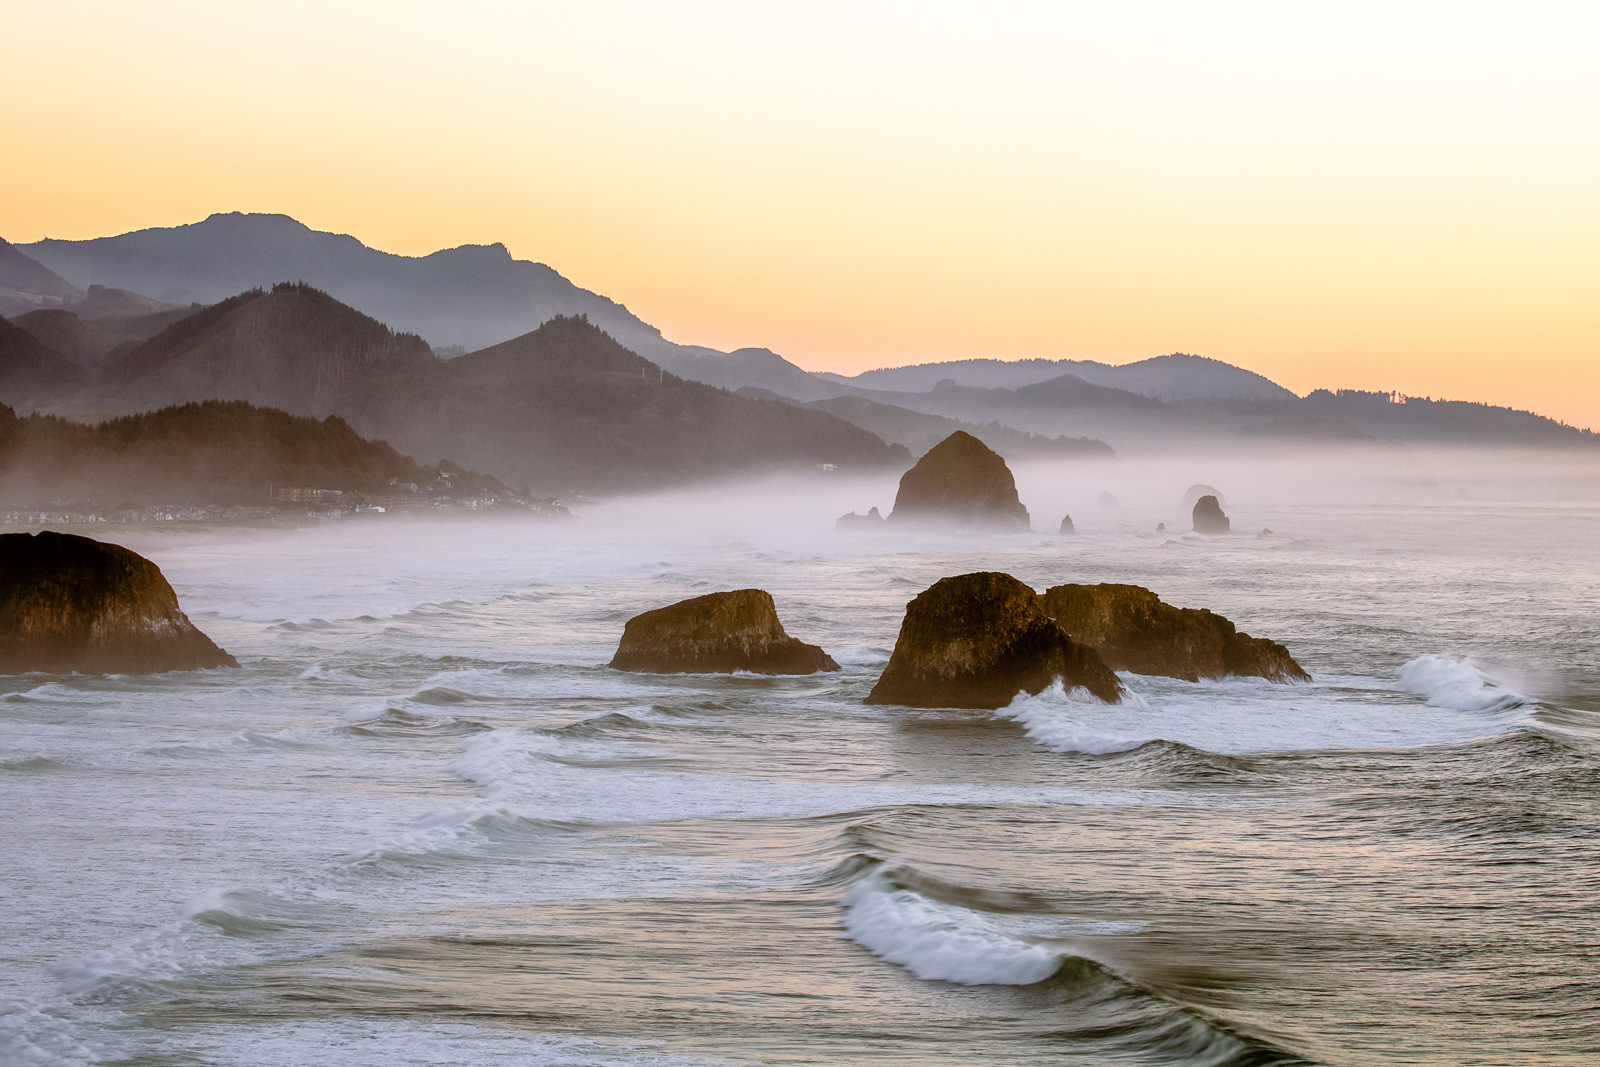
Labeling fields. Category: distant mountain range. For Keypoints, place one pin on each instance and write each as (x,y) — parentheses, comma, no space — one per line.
(557,390)
(562,408)
(478,295)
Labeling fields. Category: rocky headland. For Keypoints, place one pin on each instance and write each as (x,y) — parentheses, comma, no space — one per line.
(70,603)
(976,641)
(718,633)
(1134,630)
(960,482)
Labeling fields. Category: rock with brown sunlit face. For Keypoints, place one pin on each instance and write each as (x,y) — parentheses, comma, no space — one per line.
(1134,630)
(976,641)
(70,603)
(718,633)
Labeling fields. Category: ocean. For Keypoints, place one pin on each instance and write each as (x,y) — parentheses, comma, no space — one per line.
(425,824)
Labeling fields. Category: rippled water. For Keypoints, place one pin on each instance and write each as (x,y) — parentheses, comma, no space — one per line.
(425,825)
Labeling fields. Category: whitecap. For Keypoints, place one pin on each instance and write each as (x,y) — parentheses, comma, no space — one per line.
(939,942)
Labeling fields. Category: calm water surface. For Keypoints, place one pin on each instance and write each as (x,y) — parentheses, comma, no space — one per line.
(425,824)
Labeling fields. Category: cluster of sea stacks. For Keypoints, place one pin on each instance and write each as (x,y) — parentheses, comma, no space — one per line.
(70,603)
(971,641)
(962,484)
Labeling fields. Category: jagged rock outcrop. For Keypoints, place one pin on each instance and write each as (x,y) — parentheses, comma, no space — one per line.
(1134,630)
(718,633)
(1066,526)
(70,603)
(976,641)
(960,482)
(870,521)
(1208,517)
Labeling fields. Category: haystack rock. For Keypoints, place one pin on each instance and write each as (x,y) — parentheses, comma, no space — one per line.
(1066,526)
(1134,630)
(870,521)
(70,603)
(1192,495)
(1108,501)
(1208,517)
(976,641)
(960,482)
(718,633)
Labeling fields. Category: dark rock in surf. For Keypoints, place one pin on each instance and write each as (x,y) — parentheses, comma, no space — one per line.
(960,482)
(1133,630)
(1067,528)
(1161,527)
(870,521)
(1192,495)
(70,603)
(976,641)
(1208,517)
(718,633)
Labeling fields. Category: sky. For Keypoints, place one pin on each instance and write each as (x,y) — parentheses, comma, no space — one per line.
(1396,196)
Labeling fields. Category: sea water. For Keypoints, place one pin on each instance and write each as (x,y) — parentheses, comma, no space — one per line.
(425,824)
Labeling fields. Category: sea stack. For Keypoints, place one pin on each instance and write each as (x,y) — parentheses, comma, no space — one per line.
(870,521)
(1208,517)
(1066,526)
(976,641)
(70,603)
(718,633)
(960,482)
(1134,630)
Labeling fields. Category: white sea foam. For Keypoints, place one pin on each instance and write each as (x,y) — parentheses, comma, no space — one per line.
(1241,716)
(33,1038)
(861,656)
(939,942)
(1457,684)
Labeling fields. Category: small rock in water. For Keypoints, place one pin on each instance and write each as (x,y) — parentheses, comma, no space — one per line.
(870,521)
(1208,517)
(976,641)
(70,603)
(718,633)
(1161,527)
(1066,526)
(1264,532)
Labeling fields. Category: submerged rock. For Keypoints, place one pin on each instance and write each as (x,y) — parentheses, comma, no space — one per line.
(718,633)
(960,482)
(976,641)
(870,521)
(1134,630)
(70,603)
(1208,517)
(1066,526)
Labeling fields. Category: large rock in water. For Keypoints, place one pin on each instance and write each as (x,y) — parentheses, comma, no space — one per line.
(1133,630)
(1208,517)
(976,641)
(718,633)
(70,603)
(960,482)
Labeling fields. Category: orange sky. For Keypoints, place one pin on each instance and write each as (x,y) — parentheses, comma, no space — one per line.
(1385,196)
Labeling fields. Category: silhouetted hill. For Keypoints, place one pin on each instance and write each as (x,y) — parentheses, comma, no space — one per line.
(291,347)
(563,407)
(213,453)
(919,431)
(31,372)
(26,284)
(1174,377)
(90,342)
(568,405)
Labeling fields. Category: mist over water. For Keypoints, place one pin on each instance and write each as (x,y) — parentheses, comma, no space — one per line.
(424,823)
